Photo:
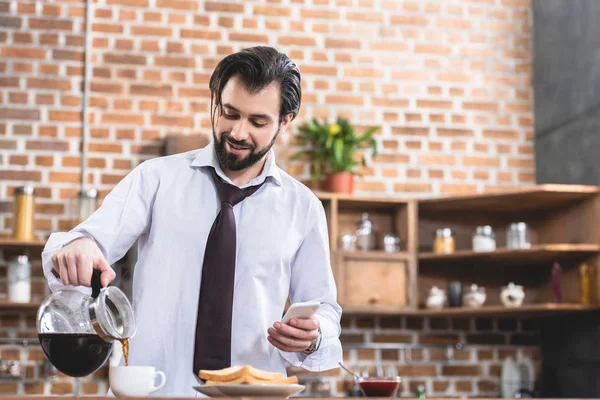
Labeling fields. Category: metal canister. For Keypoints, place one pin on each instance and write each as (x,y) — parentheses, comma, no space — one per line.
(365,235)
(24,213)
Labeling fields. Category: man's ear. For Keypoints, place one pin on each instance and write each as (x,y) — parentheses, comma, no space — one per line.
(285,123)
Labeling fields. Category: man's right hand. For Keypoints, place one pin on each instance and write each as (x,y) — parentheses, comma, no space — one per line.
(76,261)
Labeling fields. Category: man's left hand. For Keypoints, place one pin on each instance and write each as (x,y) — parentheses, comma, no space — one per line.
(295,336)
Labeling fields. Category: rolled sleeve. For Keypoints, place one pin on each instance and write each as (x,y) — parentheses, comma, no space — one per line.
(114,226)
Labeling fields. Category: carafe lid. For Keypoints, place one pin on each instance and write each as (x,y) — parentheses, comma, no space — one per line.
(110,311)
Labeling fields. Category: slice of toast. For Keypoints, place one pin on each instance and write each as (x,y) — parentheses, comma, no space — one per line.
(244,374)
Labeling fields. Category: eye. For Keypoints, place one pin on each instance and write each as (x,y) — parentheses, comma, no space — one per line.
(256,124)
(230,116)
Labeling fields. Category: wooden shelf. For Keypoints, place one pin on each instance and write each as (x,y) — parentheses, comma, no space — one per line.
(10,243)
(528,310)
(32,306)
(535,198)
(374,255)
(536,255)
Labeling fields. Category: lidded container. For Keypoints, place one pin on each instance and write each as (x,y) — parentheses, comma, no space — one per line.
(77,330)
(24,213)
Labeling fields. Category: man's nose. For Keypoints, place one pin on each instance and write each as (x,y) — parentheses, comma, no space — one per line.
(240,130)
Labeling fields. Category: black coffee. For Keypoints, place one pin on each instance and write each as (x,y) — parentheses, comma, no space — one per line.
(75,354)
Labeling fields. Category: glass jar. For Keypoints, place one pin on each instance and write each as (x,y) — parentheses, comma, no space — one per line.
(365,234)
(87,203)
(19,280)
(484,239)
(444,241)
(24,213)
(518,236)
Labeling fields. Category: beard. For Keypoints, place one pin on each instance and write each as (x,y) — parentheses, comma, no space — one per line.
(234,162)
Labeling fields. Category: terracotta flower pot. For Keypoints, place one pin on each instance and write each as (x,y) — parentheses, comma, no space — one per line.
(340,182)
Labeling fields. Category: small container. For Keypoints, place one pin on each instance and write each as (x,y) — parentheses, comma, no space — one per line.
(87,203)
(24,213)
(365,234)
(585,294)
(348,242)
(518,236)
(391,243)
(19,280)
(484,239)
(444,241)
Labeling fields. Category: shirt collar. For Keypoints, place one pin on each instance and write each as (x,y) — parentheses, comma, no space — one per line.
(207,157)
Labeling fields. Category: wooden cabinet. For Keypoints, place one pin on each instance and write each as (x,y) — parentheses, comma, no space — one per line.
(372,281)
(564,219)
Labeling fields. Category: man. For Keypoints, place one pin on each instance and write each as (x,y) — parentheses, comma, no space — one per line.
(196,307)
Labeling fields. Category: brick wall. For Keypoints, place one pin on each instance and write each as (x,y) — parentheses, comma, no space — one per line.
(448,81)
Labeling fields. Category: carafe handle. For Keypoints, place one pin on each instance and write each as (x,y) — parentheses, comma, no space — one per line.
(96,285)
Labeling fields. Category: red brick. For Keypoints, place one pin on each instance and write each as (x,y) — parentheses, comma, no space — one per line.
(106,87)
(185,122)
(297,41)
(434,104)
(342,43)
(47,83)
(124,59)
(320,13)
(223,6)
(54,145)
(128,119)
(50,24)
(272,11)
(105,148)
(19,113)
(454,132)
(248,37)
(151,31)
(461,370)
(173,61)
(480,106)
(20,175)
(201,34)
(151,90)
(23,52)
(132,3)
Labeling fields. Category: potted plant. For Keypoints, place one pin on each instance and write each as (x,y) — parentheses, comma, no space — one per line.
(334,152)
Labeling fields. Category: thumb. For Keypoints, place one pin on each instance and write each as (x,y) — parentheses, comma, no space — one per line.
(107,274)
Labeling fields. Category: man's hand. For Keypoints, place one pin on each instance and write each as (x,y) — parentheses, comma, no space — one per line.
(295,336)
(75,262)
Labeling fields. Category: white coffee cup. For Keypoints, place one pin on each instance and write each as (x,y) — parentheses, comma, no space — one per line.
(134,381)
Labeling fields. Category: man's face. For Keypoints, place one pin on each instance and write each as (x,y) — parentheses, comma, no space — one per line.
(248,126)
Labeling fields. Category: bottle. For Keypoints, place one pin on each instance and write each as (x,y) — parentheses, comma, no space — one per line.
(585,296)
(444,241)
(19,280)
(420,393)
(24,213)
(557,283)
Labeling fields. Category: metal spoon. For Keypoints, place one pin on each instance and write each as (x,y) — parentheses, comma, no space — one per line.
(347,370)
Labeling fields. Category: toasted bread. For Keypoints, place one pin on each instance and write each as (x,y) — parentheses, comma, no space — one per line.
(244,375)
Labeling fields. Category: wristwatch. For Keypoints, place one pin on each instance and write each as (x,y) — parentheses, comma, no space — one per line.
(314,346)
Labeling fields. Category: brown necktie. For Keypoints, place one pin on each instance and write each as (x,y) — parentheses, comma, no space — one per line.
(213,327)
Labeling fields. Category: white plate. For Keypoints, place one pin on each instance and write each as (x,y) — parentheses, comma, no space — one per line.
(210,391)
(260,390)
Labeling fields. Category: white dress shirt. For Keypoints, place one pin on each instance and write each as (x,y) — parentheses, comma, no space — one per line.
(169,204)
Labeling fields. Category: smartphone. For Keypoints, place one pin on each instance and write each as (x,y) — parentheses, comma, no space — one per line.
(301,310)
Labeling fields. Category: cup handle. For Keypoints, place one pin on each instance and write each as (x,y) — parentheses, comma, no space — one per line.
(163,380)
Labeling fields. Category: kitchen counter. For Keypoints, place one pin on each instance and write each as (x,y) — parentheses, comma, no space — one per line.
(231,398)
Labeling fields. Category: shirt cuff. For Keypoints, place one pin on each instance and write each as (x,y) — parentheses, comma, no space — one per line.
(326,357)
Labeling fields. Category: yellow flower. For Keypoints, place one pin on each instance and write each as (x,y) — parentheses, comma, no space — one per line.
(334,129)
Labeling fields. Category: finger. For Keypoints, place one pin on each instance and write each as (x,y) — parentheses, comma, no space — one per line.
(282,346)
(308,324)
(63,270)
(55,264)
(290,331)
(107,274)
(86,266)
(288,341)
(71,260)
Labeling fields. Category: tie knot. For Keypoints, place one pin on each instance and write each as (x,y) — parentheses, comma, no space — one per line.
(232,194)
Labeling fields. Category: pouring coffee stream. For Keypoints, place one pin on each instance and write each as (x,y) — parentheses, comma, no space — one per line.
(77,331)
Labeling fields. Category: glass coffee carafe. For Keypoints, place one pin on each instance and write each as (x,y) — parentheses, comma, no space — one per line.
(77,331)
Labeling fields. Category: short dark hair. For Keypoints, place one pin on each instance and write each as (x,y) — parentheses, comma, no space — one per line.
(258,67)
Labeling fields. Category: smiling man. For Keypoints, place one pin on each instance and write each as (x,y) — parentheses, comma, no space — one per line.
(224,238)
